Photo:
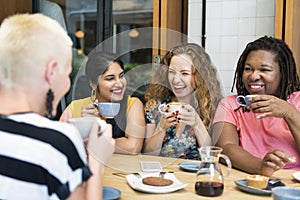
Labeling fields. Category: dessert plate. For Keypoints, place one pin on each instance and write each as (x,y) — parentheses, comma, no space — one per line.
(136,183)
(110,193)
(242,185)
(190,166)
(296,176)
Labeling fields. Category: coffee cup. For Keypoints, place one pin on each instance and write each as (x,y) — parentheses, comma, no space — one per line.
(108,109)
(172,107)
(246,99)
(84,124)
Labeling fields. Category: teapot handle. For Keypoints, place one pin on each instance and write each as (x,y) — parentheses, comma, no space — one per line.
(228,162)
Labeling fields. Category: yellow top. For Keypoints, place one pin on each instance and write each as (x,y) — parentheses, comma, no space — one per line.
(76,105)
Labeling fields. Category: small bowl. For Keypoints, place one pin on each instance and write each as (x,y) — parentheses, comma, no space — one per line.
(286,193)
(108,110)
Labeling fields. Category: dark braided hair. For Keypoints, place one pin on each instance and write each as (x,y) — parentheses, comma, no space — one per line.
(289,81)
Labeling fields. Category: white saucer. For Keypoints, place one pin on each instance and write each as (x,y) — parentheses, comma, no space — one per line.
(296,176)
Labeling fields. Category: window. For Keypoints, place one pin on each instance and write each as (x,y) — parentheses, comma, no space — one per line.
(119,23)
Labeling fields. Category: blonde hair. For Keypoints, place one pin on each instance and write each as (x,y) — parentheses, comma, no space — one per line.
(207,90)
(23,38)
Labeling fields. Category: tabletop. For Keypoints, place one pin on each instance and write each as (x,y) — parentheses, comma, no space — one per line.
(123,165)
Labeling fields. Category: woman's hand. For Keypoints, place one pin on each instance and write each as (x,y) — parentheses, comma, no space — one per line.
(189,116)
(273,161)
(89,110)
(270,105)
(167,120)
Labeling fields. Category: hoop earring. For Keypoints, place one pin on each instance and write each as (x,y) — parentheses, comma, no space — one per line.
(93,95)
(49,100)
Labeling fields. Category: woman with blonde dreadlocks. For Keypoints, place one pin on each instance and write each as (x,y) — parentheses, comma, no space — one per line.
(186,75)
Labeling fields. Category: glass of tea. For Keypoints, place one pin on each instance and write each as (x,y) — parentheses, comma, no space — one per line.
(209,175)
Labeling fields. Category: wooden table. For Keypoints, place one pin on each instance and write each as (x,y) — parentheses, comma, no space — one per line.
(131,163)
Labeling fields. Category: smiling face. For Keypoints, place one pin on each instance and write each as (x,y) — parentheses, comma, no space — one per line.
(112,84)
(180,77)
(261,73)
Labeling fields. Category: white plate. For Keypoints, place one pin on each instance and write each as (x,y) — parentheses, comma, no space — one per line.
(136,183)
(296,176)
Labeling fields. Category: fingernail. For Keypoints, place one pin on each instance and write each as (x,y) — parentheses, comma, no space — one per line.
(292,159)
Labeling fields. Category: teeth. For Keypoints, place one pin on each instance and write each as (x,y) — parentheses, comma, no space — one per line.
(178,87)
(118,90)
(255,86)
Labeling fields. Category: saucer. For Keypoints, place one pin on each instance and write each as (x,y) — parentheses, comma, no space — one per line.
(110,193)
(190,166)
(296,176)
(242,185)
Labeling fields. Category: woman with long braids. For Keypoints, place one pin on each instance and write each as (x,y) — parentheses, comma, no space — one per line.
(186,75)
(106,77)
(264,136)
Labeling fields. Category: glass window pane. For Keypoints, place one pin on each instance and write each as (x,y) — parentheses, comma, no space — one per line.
(85,24)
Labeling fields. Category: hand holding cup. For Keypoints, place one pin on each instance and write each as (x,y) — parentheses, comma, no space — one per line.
(84,124)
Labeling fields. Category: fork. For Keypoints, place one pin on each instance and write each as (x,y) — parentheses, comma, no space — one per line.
(122,174)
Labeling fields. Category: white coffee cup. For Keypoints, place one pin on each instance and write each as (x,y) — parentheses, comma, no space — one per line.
(84,124)
(173,107)
(108,109)
(246,99)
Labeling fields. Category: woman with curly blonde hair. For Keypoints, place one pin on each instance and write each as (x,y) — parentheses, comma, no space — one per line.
(186,75)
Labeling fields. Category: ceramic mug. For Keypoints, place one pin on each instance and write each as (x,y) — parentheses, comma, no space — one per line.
(173,107)
(246,99)
(83,124)
(108,109)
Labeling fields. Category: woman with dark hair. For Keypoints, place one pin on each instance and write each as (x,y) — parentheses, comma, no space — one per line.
(105,75)
(187,75)
(264,136)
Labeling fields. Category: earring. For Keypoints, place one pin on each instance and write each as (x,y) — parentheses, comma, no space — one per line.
(93,95)
(49,100)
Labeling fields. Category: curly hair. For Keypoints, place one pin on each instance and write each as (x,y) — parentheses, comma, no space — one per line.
(207,90)
(289,80)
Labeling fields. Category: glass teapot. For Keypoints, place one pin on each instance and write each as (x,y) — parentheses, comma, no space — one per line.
(209,175)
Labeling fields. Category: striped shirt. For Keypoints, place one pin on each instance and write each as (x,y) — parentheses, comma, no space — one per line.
(40,158)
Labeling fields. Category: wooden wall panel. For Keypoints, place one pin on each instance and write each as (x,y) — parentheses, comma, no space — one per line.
(170,17)
(293,34)
(10,7)
(287,27)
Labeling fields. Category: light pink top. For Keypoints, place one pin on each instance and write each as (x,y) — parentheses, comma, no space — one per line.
(259,136)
